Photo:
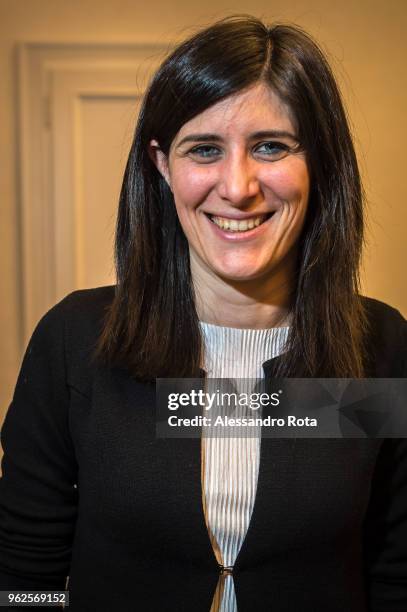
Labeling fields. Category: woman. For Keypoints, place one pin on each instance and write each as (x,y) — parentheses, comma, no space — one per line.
(238,243)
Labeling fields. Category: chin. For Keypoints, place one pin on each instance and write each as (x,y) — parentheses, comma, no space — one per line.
(238,275)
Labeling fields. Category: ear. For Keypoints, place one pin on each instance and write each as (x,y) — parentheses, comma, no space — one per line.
(160,160)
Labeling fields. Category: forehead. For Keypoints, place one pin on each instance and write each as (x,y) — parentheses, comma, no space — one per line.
(254,109)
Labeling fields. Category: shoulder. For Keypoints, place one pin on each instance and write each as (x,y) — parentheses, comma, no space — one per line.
(82,310)
(70,330)
(87,302)
(385,340)
(382,315)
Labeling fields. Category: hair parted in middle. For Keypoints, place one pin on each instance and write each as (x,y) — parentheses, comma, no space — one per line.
(152,327)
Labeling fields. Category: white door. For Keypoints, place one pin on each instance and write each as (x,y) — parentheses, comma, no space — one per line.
(79,106)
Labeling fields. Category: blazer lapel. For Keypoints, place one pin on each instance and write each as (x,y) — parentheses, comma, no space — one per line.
(276,456)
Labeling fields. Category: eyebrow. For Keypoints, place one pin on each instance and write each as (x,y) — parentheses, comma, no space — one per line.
(255,135)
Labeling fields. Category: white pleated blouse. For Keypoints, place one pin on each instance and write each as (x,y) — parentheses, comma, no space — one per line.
(230,466)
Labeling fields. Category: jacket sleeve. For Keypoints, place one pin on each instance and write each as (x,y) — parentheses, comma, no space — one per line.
(385,536)
(38,494)
(386,531)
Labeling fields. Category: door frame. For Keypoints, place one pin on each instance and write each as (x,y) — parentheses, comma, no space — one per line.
(45,277)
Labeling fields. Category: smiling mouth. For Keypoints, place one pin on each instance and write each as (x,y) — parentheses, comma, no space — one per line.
(243,225)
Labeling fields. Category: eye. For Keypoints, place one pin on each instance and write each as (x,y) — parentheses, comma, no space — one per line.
(272,151)
(205,153)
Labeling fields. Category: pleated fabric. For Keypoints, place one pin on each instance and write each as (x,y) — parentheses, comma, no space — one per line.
(230,465)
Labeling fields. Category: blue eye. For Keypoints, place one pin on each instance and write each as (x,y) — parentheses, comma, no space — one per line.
(206,152)
(273,150)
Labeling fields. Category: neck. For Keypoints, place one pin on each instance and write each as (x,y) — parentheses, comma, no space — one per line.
(251,304)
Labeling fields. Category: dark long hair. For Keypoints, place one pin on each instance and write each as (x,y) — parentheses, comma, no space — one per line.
(152,327)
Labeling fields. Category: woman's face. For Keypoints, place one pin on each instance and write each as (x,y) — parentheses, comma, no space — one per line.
(240,186)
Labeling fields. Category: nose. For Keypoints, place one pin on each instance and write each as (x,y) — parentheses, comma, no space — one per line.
(238,182)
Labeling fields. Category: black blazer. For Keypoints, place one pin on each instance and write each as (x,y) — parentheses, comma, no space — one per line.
(90,492)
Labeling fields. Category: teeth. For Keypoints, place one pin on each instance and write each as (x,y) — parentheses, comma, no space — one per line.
(238,226)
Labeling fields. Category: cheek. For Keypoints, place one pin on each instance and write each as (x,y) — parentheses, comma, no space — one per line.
(290,184)
(191,186)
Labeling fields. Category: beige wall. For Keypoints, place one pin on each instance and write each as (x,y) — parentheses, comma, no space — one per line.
(367,43)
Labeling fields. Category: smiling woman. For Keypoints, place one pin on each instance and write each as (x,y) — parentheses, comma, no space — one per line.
(240,184)
(238,244)
(240,122)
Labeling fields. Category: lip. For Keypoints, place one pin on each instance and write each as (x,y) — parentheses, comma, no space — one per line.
(240,216)
(240,236)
